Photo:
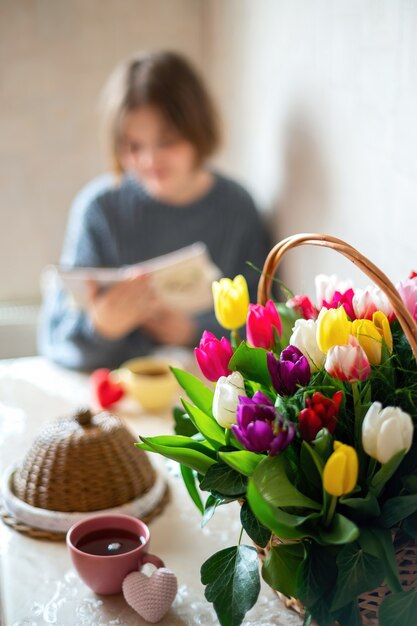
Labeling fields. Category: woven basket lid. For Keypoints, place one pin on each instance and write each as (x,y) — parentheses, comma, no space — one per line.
(83,463)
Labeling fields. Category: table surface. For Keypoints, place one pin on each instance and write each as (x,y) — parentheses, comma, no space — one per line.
(38,584)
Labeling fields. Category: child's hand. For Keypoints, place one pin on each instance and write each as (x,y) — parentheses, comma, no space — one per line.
(122,308)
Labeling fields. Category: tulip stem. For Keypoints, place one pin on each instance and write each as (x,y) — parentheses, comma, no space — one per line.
(240,536)
(357,409)
(234,338)
(330,512)
(371,468)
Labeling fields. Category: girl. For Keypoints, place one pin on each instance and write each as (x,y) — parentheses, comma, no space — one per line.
(161,128)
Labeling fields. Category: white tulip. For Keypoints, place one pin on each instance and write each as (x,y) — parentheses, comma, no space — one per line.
(326,286)
(304,337)
(226,398)
(366,301)
(386,431)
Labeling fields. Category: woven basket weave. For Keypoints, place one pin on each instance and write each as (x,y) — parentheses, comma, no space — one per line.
(83,463)
(406,555)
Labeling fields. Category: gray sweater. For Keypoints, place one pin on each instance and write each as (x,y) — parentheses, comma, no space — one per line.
(113,225)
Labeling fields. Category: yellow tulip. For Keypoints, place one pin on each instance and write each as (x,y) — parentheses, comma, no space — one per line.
(340,473)
(369,338)
(382,324)
(333,328)
(231,302)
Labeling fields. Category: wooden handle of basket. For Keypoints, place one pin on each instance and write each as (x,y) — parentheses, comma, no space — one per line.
(274,258)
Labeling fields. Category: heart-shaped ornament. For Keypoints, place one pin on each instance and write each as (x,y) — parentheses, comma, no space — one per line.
(150,596)
(105,391)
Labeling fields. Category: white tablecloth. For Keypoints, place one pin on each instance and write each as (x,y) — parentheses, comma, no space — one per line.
(38,583)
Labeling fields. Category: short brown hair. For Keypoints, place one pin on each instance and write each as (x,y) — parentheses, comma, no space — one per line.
(167,81)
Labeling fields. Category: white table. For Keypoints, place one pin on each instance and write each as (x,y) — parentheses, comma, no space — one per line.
(38,584)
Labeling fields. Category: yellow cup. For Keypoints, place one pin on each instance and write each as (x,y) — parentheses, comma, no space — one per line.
(148,380)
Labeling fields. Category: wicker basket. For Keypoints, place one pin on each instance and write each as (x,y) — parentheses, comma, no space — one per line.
(83,463)
(406,555)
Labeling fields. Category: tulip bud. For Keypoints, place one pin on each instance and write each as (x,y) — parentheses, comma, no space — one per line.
(381,323)
(367,301)
(226,398)
(333,328)
(340,473)
(341,299)
(386,431)
(261,323)
(408,292)
(326,286)
(213,356)
(303,307)
(231,301)
(320,412)
(290,372)
(304,337)
(348,363)
(260,428)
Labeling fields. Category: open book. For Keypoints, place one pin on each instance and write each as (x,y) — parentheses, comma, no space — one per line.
(182,278)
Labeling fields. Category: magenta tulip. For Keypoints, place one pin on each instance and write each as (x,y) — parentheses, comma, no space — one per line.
(213,356)
(344,300)
(260,325)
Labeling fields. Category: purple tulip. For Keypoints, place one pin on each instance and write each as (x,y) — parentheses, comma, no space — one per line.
(260,428)
(213,356)
(290,372)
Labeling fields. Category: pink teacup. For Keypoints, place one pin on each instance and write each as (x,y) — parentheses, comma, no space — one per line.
(105,548)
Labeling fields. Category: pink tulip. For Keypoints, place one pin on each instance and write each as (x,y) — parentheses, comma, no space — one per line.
(408,293)
(347,363)
(342,299)
(213,356)
(303,306)
(260,325)
(368,301)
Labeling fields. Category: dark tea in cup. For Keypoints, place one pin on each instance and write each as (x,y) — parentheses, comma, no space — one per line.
(109,541)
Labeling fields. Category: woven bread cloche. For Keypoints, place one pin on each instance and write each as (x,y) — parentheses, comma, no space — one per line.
(83,463)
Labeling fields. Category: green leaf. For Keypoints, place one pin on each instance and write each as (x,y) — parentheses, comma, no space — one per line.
(399,609)
(316,574)
(190,483)
(378,542)
(251,363)
(396,509)
(183,424)
(222,480)
(288,317)
(281,565)
(271,481)
(232,579)
(283,524)
(206,425)
(409,525)
(349,615)
(193,457)
(311,470)
(361,508)
(242,461)
(385,472)
(323,444)
(198,393)
(210,508)
(358,572)
(341,531)
(256,531)
(410,484)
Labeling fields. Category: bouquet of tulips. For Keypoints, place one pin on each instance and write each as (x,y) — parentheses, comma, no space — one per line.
(309,424)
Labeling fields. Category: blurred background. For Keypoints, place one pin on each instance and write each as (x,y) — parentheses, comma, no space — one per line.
(318,99)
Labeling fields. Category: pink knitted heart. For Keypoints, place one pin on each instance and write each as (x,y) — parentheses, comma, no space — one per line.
(150,596)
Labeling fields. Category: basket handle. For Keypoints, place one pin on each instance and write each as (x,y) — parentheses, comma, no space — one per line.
(274,258)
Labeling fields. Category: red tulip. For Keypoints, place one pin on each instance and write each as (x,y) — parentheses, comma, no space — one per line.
(260,325)
(320,412)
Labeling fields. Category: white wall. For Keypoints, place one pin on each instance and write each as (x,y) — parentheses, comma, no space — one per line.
(54,58)
(320,99)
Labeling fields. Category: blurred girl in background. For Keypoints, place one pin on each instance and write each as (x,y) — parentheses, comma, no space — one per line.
(161,127)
